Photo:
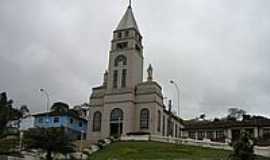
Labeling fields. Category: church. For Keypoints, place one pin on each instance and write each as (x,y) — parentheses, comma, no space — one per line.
(125,103)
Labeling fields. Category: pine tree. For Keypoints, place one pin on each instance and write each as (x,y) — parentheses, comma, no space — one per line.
(243,149)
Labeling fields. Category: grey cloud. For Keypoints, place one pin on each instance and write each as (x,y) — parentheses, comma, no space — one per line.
(218,51)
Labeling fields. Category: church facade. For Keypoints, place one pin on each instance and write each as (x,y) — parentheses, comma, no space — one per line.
(125,103)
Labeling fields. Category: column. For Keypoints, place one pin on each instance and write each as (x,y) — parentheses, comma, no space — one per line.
(256,132)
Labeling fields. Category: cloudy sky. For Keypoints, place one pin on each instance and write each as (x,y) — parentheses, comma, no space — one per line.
(217,51)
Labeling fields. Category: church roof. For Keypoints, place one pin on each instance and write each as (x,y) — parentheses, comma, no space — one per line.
(128,21)
(189,125)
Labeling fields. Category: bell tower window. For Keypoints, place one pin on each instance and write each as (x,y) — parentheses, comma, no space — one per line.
(115,79)
(138,48)
(124,78)
(119,35)
(122,45)
(127,33)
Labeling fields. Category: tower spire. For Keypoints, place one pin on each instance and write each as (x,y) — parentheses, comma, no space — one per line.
(128,20)
(129,4)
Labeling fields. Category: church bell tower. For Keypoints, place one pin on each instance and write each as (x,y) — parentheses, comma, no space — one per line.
(126,55)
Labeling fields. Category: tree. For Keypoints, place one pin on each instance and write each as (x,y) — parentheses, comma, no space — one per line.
(8,137)
(202,116)
(60,107)
(51,140)
(235,113)
(246,117)
(24,110)
(7,113)
(243,149)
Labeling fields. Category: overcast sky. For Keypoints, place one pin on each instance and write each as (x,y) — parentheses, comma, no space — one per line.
(218,51)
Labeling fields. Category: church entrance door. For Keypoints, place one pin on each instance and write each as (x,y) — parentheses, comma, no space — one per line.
(116,129)
(116,122)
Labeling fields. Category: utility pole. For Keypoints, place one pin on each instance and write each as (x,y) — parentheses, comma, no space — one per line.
(178,96)
(48,103)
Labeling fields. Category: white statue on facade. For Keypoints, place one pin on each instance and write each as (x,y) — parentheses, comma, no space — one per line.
(105,78)
(150,73)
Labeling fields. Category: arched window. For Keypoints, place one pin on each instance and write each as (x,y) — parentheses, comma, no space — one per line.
(124,78)
(163,125)
(116,115)
(120,59)
(144,119)
(159,121)
(115,79)
(176,130)
(97,121)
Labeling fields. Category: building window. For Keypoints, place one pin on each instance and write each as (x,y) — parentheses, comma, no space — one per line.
(200,135)
(170,126)
(192,134)
(40,120)
(71,120)
(266,133)
(210,135)
(144,119)
(56,120)
(124,78)
(122,45)
(159,121)
(163,126)
(126,33)
(97,121)
(80,124)
(175,130)
(115,79)
(119,35)
(120,59)
(220,135)
(116,115)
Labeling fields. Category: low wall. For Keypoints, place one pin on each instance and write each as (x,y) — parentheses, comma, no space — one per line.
(135,138)
(191,142)
(17,158)
(262,151)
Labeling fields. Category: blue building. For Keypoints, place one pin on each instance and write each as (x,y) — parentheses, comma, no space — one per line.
(74,125)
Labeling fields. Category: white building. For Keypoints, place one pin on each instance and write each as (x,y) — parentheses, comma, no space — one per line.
(125,103)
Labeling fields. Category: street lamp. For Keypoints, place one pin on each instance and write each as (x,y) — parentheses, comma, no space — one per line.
(178,95)
(48,102)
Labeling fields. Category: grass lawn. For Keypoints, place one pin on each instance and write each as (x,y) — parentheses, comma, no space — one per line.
(158,151)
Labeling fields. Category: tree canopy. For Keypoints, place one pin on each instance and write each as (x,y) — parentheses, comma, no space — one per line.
(7,112)
(235,113)
(8,137)
(51,140)
(243,149)
(60,107)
